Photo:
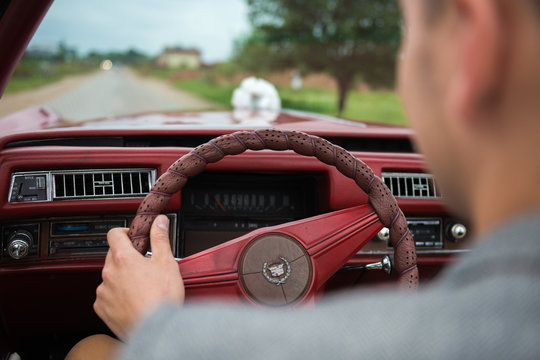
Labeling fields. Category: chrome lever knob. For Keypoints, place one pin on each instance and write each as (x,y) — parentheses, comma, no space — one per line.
(385,265)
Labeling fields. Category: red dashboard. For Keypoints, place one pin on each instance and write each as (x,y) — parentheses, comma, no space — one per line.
(57,277)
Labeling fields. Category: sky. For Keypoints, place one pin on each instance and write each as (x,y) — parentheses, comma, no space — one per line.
(146,25)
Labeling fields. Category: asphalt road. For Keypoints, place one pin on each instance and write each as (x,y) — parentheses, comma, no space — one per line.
(104,93)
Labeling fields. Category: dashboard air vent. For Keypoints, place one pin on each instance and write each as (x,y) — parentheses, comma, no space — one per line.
(32,186)
(411,185)
(88,184)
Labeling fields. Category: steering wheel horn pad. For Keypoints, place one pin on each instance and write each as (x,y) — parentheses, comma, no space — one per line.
(285,273)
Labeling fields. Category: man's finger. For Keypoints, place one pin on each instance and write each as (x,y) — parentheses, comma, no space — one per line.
(119,240)
(159,238)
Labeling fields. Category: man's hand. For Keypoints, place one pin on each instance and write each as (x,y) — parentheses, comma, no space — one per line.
(134,284)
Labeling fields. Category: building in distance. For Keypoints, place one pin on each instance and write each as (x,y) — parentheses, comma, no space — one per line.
(179,58)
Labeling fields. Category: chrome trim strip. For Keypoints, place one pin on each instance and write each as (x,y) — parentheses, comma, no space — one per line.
(419,252)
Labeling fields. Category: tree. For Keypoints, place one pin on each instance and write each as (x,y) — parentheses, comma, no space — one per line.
(344,38)
(65,53)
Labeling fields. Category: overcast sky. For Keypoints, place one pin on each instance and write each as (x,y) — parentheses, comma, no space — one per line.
(146,25)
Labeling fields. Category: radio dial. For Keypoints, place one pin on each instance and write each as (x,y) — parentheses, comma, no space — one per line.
(458,232)
(19,244)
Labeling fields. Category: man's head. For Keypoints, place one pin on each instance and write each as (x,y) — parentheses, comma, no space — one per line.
(469,75)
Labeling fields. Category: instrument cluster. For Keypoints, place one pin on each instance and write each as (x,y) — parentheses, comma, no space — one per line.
(217,207)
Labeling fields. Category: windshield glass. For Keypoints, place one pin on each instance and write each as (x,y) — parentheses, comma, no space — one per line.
(102,58)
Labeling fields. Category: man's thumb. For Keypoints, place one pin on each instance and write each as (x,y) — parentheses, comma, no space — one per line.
(159,238)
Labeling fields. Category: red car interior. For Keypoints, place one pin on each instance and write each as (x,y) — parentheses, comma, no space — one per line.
(68,279)
(64,186)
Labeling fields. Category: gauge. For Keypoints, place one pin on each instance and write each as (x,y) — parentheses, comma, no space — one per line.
(280,200)
(239,202)
(217,207)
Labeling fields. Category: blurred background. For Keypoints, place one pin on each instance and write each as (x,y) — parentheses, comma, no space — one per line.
(333,57)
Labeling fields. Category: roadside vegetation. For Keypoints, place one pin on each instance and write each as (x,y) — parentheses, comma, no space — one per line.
(40,67)
(218,83)
(32,73)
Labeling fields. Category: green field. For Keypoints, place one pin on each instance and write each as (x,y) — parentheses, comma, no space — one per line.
(378,106)
(33,73)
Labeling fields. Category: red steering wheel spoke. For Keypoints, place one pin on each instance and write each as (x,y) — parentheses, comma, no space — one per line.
(341,235)
(281,264)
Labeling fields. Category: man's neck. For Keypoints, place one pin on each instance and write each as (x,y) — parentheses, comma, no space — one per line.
(506,190)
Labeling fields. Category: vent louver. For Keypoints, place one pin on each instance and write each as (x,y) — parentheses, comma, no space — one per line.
(88,184)
(411,185)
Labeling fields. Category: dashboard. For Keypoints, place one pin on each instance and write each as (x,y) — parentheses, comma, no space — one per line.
(62,193)
(58,207)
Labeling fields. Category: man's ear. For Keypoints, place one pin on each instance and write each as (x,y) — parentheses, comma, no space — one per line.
(480,65)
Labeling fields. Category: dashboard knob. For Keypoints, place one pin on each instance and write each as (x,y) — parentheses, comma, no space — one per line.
(19,244)
(384,234)
(458,232)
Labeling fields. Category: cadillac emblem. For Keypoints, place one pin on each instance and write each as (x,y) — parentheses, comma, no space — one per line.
(277,273)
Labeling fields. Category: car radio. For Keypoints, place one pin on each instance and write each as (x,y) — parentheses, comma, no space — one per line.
(427,233)
(65,237)
(435,235)
(86,236)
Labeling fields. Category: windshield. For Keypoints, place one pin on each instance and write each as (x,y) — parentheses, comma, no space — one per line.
(107,58)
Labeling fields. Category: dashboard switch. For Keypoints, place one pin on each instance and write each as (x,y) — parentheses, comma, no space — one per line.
(384,234)
(18,249)
(19,245)
(40,183)
(20,241)
(29,186)
(458,232)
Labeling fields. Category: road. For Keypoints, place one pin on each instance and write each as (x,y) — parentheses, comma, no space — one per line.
(104,93)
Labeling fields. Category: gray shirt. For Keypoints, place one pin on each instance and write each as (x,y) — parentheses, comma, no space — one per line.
(487,305)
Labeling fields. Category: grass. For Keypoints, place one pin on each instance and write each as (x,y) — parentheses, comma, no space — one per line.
(149,70)
(375,106)
(20,84)
(219,94)
(33,73)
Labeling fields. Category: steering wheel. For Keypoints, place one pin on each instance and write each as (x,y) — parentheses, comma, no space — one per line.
(288,263)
